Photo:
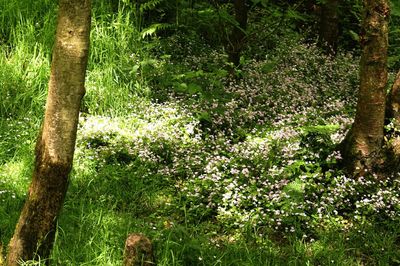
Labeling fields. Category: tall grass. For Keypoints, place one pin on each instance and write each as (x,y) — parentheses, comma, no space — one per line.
(14,13)
(117,54)
(138,161)
(26,41)
(26,38)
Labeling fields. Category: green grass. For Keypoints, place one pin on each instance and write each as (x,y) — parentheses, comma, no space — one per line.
(167,143)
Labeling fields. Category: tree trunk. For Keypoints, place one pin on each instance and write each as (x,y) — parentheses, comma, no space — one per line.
(393,115)
(393,104)
(1,254)
(34,233)
(238,35)
(362,149)
(329,26)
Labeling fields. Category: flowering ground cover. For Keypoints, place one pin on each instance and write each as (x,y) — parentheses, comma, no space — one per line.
(216,169)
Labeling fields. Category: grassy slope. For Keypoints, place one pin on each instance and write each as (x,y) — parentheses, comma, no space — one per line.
(205,166)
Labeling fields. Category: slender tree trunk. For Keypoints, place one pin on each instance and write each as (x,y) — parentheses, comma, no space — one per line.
(1,254)
(363,145)
(329,26)
(34,233)
(237,38)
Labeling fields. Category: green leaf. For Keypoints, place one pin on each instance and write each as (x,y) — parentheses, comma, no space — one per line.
(149,5)
(152,29)
(268,67)
(321,129)
(293,14)
(205,116)
(193,88)
(354,35)
(395,6)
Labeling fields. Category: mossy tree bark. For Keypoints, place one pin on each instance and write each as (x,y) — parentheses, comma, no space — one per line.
(237,38)
(329,26)
(35,231)
(362,148)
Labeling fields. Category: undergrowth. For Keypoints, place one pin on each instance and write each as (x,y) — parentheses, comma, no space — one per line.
(215,169)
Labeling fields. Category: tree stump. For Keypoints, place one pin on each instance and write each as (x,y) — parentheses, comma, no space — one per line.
(138,251)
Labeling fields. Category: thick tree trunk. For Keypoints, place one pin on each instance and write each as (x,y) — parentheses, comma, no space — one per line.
(237,39)
(34,233)
(329,26)
(363,145)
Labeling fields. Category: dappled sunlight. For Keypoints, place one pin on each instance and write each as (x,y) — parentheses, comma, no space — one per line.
(216,165)
(13,171)
(15,176)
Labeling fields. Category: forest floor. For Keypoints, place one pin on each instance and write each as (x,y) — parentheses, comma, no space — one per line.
(215,169)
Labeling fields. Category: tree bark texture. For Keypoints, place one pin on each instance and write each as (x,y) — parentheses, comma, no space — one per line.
(363,144)
(1,254)
(393,114)
(393,103)
(329,26)
(35,230)
(237,38)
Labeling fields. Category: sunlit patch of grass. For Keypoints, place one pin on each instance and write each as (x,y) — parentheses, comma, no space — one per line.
(99,213)
(90,234)
(26,43)
(17,174)
(14,181)
(23,74)
(17,138)
(219,172)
